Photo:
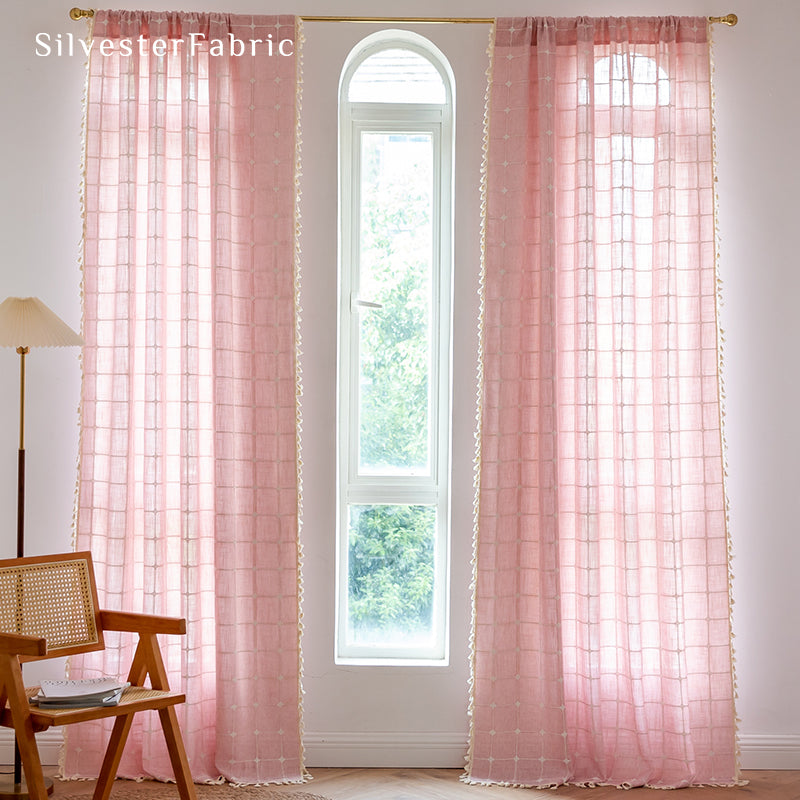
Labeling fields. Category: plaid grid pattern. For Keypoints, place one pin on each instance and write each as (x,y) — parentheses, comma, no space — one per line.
(602,623)
(188,495)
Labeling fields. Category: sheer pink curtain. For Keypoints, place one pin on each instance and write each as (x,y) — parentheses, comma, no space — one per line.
(602,637)
(188,495)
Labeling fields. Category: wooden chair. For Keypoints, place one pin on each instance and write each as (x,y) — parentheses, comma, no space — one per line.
(48,608)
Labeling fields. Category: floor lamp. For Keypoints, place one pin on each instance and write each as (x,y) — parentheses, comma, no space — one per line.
(27,322)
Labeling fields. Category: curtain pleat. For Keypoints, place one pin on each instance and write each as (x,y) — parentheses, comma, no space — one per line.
(602,646)
(188,488)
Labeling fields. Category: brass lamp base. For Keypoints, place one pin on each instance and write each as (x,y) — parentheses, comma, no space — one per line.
(19,790)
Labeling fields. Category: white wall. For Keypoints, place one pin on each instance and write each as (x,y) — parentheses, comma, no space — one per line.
(387,715)
(758,115)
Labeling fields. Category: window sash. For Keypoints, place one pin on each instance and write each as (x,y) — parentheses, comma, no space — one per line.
(430,489)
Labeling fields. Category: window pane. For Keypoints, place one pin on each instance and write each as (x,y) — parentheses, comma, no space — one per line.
(397,76)
(633,80)
(391,575)
(395,272)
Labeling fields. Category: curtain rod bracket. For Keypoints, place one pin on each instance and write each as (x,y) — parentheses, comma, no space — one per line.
(728,19)
(81,13)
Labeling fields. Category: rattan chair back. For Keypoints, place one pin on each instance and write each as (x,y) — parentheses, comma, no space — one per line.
(55,599)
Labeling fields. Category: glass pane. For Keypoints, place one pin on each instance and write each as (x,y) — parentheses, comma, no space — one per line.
(391,576)
(396,76)
(395,340)
(628,80)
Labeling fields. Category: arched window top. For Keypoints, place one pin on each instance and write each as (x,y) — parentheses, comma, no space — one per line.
(396,67)
(635,80)
(630,80)
(396,76)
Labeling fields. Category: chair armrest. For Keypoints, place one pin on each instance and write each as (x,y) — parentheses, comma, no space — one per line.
(22,645)
(141,623)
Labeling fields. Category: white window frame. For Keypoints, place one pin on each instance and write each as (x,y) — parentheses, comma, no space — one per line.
(356,118)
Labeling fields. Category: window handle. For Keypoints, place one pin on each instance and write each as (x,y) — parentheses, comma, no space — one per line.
(356,302)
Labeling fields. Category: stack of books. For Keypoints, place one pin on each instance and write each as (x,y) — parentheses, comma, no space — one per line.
(88,692)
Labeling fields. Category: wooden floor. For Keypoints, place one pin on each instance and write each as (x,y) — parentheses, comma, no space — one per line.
(444,784)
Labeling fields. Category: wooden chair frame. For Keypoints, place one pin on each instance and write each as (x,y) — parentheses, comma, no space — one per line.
(63,588)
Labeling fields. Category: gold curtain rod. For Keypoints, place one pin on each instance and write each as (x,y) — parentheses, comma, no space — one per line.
(81,13)
(728,19)
(464,20)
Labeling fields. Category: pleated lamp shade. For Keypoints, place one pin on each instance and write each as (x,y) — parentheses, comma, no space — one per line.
(28,322)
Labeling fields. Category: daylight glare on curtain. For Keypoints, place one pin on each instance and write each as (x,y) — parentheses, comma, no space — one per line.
(602,628)
(188,494)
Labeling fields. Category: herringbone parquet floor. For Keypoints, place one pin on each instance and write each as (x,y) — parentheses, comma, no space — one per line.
(444,784)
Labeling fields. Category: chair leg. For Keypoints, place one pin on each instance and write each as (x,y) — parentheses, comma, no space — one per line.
(11,680)
(32,766)
(116,744)
(177,753)
(151,655)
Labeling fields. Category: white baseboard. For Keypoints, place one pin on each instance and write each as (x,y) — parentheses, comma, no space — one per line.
(448,750)
(381,749)
(49,742)
(432,750)
(770,752)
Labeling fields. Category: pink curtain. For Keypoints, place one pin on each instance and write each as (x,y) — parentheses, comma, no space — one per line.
(602,630)
(188,494)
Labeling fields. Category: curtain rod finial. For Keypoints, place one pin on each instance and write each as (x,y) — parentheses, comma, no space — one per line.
(81,13)
(728,19)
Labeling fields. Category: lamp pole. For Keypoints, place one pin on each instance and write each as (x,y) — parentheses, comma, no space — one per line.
(23,351)
(27,319)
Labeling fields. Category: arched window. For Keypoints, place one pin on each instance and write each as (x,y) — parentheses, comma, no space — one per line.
(396,152)
(634,80)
